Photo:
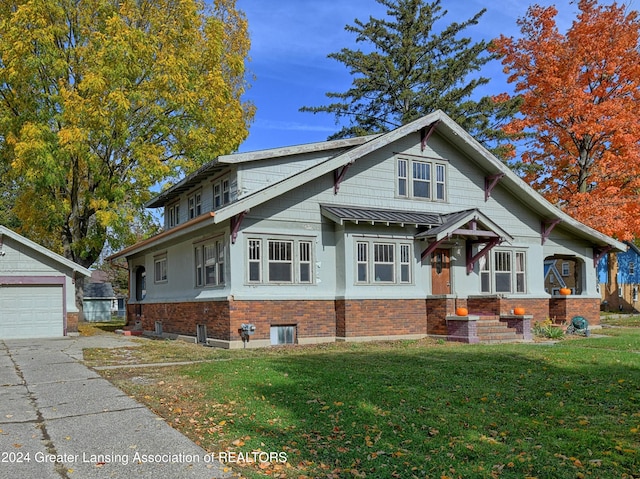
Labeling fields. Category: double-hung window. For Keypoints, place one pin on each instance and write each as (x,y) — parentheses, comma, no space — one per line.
(421,179)
(160,269)
(174,215)
(383,262)
(195,204)
(503,272)
(221,193)
(279,260)
(209,263)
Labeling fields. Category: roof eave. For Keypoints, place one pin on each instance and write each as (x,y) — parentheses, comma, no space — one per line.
(160,238)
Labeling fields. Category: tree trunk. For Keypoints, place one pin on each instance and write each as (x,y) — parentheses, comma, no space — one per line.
(79,297)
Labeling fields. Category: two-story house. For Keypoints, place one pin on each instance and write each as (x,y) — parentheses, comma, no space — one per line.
(375,237)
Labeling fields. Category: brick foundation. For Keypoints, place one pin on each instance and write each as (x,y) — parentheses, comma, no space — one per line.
(438,308)
(380,317)
(563,308)
(321,321)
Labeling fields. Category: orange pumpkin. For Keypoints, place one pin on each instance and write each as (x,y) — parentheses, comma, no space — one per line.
(565,291)
(518,311)
(462,311)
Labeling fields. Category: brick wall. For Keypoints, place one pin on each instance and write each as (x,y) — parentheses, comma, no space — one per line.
(495,305)
(182,318)
(438,308)
(224,318)
(313,319)
(343,318)
(381,317)
(563,308)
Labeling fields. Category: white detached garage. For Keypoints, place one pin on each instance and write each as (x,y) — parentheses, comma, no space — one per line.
(37,289)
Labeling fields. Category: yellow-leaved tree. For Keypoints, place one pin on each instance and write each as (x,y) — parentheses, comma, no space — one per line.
(102,99)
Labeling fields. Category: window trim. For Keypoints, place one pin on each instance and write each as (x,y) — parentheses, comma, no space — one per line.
(366,258)
(174,215)
(405,179)
(194,204)
(221,192)
(218,249)
(258,259)
(487,271)
(160,260)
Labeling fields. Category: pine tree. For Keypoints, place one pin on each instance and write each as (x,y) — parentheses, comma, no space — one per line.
(411,70)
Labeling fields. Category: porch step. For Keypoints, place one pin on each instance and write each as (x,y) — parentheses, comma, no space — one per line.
(491,330)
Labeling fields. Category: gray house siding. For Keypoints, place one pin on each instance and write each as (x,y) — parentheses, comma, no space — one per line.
(278,202)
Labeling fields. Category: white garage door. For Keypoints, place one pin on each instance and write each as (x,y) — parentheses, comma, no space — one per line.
(31,311)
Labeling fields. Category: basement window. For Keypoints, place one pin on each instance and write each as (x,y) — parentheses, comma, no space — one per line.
(283,335)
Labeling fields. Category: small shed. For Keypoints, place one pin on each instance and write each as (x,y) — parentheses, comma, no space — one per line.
(99,302)
(37,289)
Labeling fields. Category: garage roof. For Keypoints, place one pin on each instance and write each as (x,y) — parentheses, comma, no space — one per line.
(4,231)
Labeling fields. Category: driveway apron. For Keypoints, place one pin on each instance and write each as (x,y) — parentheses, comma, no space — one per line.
(60,419)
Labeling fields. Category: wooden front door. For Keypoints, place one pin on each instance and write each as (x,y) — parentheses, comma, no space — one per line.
(440,272)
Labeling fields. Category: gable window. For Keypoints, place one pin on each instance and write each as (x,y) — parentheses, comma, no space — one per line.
(426,181)
(195,204)
(160,269)
(421,179)
(565,269)
(221,193)
(632,267)
(174,215)
(503,272)
(387,263)
(402,178)
(285,260)
(209,263)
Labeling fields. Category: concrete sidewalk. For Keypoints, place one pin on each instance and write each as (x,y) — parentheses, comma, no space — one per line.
(60,419)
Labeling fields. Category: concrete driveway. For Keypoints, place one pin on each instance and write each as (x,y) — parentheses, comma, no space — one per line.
(60,419)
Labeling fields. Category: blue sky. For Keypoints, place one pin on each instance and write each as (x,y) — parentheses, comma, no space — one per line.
(292,38)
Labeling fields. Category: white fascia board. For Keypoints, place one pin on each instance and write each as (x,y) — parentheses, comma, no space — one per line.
(294,150)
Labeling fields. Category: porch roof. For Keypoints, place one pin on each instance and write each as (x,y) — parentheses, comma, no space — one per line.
(339,214)
(469,223)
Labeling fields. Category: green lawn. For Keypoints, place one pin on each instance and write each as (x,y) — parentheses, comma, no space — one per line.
(414,409)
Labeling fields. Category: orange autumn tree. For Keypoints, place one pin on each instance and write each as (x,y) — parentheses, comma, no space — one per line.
(579,117)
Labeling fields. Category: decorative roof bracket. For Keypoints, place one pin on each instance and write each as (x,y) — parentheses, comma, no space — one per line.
(426,134)
(598,253)
(431,248)
(236,221)
(338,176)
(547,228)
(472,259)
(490,183)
